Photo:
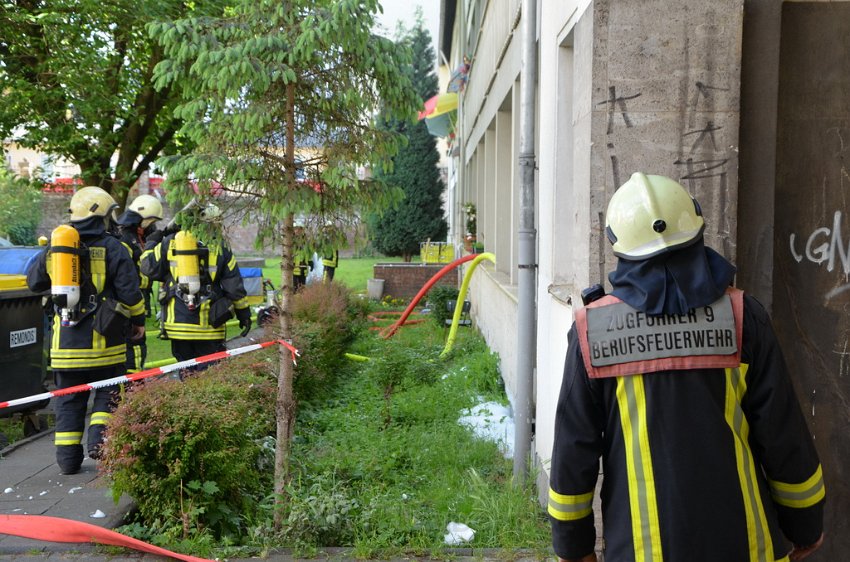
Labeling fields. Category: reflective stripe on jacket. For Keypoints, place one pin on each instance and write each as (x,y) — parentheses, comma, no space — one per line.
(703,464)
(220,279)
(332,260)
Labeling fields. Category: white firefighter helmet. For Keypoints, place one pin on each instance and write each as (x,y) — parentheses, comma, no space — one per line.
(92,201)
(650,215)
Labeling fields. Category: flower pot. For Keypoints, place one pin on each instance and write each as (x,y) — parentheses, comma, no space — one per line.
(468,243)
(375,288)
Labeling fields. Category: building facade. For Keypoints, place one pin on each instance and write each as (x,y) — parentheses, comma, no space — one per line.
(743,101)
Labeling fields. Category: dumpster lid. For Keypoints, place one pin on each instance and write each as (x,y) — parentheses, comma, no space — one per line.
(251,271)
(16,260)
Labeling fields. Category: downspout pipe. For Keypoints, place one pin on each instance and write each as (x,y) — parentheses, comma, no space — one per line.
(527,249)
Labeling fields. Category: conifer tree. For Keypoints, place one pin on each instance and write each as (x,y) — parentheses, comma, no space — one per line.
(419,216)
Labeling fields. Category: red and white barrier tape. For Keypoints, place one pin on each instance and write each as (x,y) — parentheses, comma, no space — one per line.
(150,373)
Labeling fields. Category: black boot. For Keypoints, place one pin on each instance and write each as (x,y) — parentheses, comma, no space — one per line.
(69,458)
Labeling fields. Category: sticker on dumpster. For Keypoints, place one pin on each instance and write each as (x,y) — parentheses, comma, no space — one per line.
(22,337)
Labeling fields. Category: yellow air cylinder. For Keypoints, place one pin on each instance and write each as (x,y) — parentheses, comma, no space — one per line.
(188,271)
(65,271)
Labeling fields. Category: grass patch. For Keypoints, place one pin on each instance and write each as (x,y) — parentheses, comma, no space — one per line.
(383,454)
(380,463)
(352,272)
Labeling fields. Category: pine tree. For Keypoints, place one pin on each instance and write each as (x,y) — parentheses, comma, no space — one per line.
(419,216)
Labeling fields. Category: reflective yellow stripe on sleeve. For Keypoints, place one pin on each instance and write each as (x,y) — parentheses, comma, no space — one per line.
(646,531)
(805,494)
(68,438)
(138,308)
(565,507)
(758,534)
(100,418)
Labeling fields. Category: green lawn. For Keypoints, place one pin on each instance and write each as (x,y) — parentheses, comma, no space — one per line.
(352,272)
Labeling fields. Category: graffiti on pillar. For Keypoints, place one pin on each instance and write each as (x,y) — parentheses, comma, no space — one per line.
(615,164)
(700,157)
(620,103)
(615,102)
(706,133)
(825,246)
(702,169)
(702,140)
(704,92)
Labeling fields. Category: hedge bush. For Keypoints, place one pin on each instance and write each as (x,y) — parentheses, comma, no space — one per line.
(438,298)
(326,318)
(197,454)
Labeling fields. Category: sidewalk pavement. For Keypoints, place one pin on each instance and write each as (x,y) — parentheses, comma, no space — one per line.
(30,483)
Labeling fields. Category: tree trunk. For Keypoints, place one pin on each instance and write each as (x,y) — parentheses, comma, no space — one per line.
(95,171)
(285,406)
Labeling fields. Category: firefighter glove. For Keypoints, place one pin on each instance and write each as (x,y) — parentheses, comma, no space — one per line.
(244,316)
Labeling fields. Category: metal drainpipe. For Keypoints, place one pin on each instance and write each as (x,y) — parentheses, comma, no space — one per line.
(527,258)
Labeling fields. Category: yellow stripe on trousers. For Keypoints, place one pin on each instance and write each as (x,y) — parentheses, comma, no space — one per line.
(646,531)
(758,533)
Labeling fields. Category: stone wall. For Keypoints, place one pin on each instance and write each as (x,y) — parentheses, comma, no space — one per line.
(404,280)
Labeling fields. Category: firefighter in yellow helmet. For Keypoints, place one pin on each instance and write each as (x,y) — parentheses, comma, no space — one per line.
(98,305)
(201,288)
(676,382)
(134,225)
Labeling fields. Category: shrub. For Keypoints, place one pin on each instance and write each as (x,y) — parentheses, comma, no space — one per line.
(319,512)
(195,455)
(326,318)
(438,297)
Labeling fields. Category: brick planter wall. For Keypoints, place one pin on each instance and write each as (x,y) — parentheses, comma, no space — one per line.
(404,280)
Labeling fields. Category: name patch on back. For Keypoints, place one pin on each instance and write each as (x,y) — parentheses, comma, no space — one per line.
(618,333)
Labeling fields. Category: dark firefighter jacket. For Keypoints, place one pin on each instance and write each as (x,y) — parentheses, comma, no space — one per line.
(129,237)
(703,464)
(108,273)
(136,350)
(219,279)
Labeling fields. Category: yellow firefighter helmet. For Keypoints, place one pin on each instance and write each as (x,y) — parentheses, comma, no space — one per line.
(148,207)
(92,201)
(650,215)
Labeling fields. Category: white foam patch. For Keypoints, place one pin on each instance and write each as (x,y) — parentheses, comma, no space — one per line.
(491,421)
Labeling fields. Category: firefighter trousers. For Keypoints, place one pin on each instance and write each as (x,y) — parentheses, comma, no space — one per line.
(71,415)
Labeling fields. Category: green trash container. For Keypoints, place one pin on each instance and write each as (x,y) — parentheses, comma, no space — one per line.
(23,362)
